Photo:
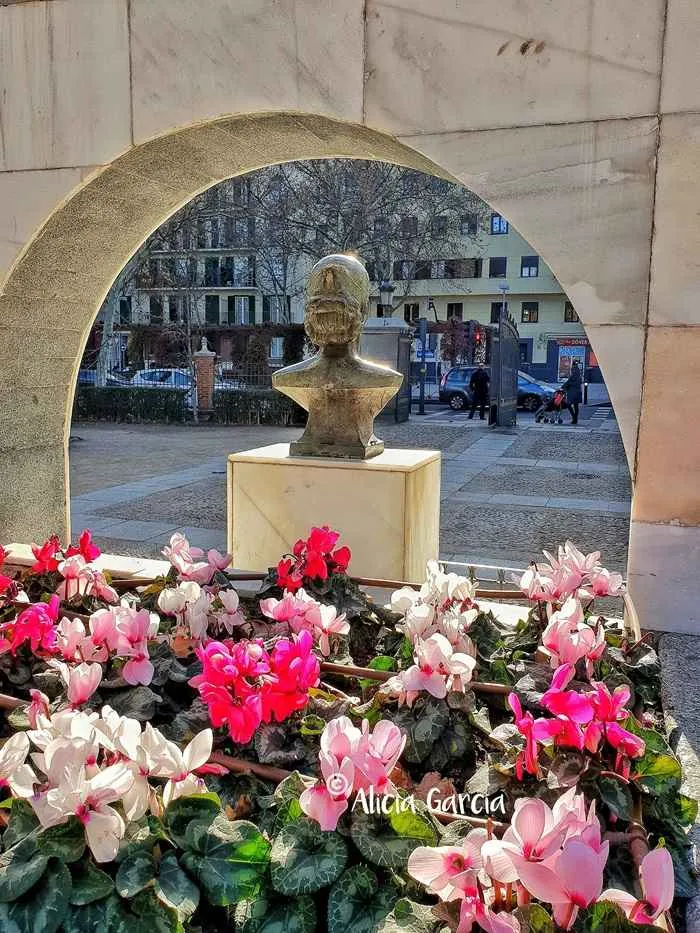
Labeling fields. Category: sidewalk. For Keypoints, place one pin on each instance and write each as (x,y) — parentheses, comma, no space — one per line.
(506,493)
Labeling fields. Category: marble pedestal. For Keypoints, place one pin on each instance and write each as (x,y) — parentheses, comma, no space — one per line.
(387,509)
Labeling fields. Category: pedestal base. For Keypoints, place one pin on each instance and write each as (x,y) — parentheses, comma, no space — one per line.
(386,509)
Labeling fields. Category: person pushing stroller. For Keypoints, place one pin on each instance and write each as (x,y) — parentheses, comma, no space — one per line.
(550,411)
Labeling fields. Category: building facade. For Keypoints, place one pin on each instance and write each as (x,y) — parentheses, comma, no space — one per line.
(499,265)
(205,270)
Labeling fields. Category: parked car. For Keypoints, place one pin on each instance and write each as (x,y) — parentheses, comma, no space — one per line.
(454,389)
(88,377)
(165,379)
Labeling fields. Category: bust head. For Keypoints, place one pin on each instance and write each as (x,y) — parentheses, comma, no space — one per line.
(337,300)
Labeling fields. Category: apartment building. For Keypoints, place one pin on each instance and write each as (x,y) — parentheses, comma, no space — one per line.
(206,268)
(498,265)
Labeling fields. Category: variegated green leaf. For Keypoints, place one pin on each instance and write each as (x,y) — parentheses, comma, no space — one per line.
(44,908)
(271,913)
(135,873)
(357,902)
(17,873)
(89,884)
(228,861)
(23,821)
(380,843)
(305,859)
(184,810)
(175,888)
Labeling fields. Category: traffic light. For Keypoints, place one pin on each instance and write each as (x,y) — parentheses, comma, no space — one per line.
(477,336)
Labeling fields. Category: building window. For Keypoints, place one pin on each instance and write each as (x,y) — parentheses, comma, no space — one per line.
(462,269)
(404,269)
(497,267)
(570,315)
(211,310)
(529,267)
(277,348)
(155,309)
(467,225)
(174,309)
(439,225)
(455,310)
(498,224)
(411,312)
(496,311)
(125,310)
(409,226)
(274,310)
(240,309)
(212,277)
(530,312)
(525,351)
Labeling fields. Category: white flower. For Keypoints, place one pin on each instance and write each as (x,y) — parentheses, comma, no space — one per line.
(14,773)
(177,765)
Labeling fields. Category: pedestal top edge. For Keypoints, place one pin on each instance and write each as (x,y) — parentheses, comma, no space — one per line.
(393,459)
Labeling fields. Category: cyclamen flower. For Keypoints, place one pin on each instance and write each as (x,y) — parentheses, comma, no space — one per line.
(313,559)
(243,685)
(292,609)
(185,560)
(536,833)
(568,881)
(449,871)
(81,681)
(5,582)
(14,773)
(569,639)
(179,766)
(351,759)
(230,616)
(658,885)
(326,622)
(45,556)
(36,625)
(77,578)
(437,670)
(86,547)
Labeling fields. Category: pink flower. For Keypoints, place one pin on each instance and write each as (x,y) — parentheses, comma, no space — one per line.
(70,634)
(39,706)
(350,760)
(473,910)
(602,582)
(569,639)
(230,617)
(102,590)
(85,547)
(448,871)
(569,881)
(531,731)
(534,835)
(295,669)
(183,557)
(658,886)
(438,668)
(326,622)
(292,609)
(217,560)
(81,681)
(326,802)
(36,625)
(560,702)
(46,560)
(77,576)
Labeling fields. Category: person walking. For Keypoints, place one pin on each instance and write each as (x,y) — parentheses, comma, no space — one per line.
(572,387)
(479,388)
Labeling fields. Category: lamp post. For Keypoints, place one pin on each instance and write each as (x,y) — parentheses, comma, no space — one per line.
(386,291)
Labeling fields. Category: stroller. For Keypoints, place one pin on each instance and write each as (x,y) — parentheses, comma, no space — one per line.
(550,412)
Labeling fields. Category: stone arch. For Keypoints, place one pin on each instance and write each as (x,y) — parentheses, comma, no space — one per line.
(56,286)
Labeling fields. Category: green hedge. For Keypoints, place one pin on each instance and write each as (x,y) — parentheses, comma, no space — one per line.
(257,406)
(114,403)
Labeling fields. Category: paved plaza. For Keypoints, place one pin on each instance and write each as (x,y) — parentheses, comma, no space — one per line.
(506,493)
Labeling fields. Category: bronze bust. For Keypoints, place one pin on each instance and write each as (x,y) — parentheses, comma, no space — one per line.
(341,391)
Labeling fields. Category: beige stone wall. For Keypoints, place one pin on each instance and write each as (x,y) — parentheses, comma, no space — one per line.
(576,120)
